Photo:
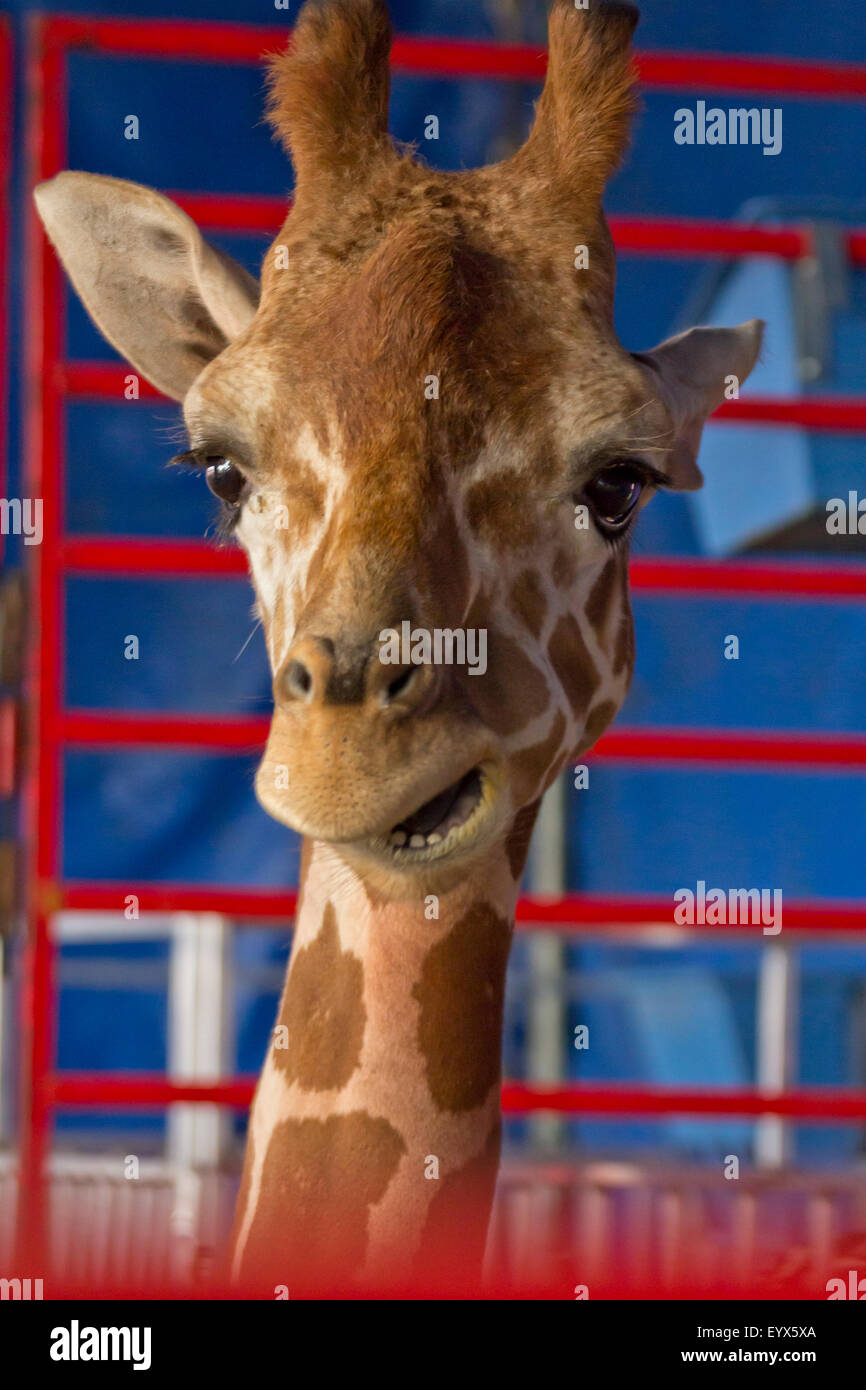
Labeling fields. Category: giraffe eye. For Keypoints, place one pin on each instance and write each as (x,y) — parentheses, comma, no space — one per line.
(613,494)
(225,480)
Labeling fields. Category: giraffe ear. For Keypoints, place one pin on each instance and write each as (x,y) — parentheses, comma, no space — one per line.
(693,374)
(161,295)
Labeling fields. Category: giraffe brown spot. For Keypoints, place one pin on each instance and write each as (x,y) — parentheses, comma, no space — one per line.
(444,590)
(323,1012)
(455,1231)
(529,766)
(319,1180)
(573,664)
(519,836)
(460,994)
(603,590)
(564,569)
(599,719)
(495,507)
(513,691)
(528,602)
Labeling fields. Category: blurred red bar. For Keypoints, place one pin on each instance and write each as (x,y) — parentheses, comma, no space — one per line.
(668,236)
(612,913)
(770,579)
(7,90)
(260,904)
(728,72)
(733,746)
(97,730)
(133,556)
(137,1092)
(458,58)
(228,213)
(577,911)
(8,747)
(833,414)
(106,381)
(644,1100)
(143,1091)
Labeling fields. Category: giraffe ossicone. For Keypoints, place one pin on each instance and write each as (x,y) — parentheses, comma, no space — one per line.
(307,397)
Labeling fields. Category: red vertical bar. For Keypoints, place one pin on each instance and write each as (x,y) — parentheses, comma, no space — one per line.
(6,116)
(45,480)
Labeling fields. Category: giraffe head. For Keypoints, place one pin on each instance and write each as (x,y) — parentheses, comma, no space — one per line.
(424,433)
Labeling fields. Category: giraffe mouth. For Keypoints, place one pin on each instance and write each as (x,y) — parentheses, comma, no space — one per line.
(440,822)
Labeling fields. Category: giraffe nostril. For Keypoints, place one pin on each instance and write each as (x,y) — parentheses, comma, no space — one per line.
(298,680)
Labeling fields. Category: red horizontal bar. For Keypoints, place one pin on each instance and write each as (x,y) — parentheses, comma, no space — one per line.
(267,905)
(458,58)
(770,579)
(132,556)
(839,414)
(228,212)
(687,577)
(730,746)
(724,72)
(106,380)
(606,912)
(817,1104)
(137,1091)
(97,729)
(577,911)
(690,237)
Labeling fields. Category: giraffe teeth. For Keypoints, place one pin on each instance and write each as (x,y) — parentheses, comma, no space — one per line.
(434,839)
(418,842)
(398,838)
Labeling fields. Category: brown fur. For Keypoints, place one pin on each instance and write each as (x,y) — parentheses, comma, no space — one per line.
(323,1013)
(519,836)
(529,767)
(574,666)
(528,601)
(320,1179)
(600,719)
(467,969)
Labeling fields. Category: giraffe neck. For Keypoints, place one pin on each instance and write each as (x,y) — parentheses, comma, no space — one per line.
(374,1136)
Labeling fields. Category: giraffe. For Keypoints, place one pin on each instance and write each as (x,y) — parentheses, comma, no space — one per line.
(421,415)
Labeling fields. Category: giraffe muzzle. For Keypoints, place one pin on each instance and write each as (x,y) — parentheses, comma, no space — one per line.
(459,820)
